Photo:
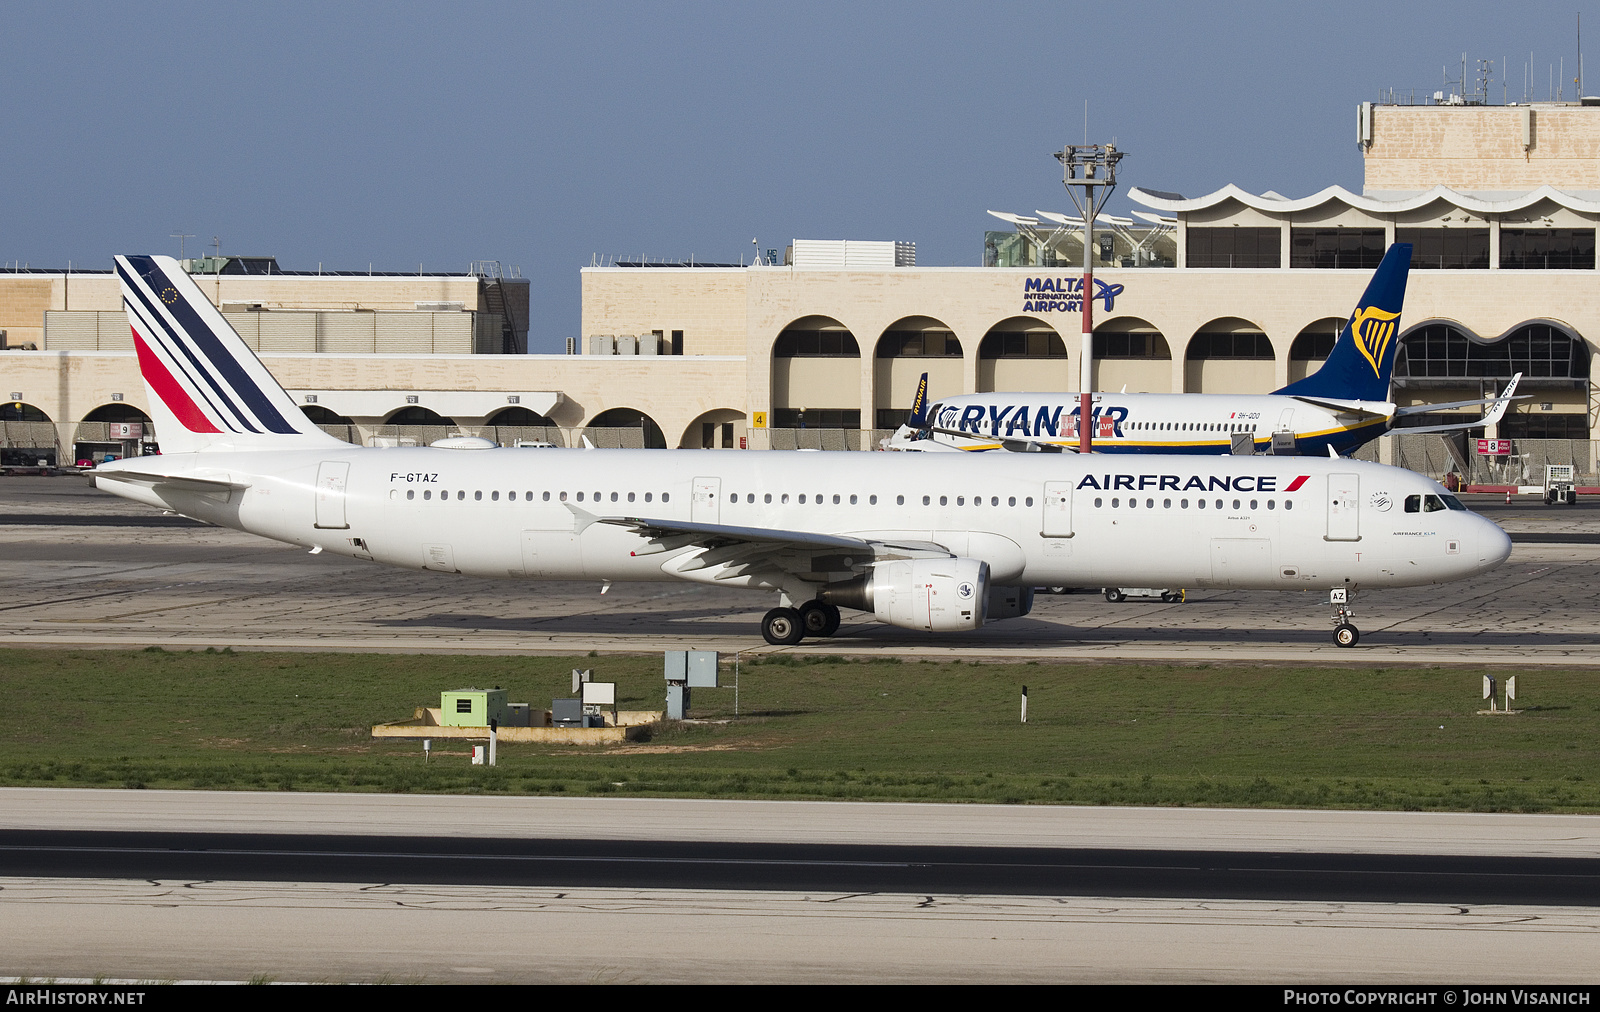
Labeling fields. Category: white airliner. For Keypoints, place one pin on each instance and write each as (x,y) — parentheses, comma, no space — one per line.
(920,541)
(1344,404)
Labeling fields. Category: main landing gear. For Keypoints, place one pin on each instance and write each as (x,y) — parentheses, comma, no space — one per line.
(784,627)
(1345,634)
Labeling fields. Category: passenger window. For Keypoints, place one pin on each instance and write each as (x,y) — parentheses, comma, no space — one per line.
(1413,504)
(924,500)
(427,494)
(494,496)
(1199,504)
(461,494)
(580,497)
(1149,504)
(478,496)
(1166,504)
(783,498)
(1288,504)
(563,497)
(1236,504)
(836,499)
(410,494)
(1183,504)
(613,497)
(647,497)
(1272,504)
(1115,503)
(944,500)
(666,497)
(852,500)
(1096,503)
(732,498)
(1028,501)
(803,499)
(872,500)
(1253,503)
(961,500)
(1219,504)
(750,497)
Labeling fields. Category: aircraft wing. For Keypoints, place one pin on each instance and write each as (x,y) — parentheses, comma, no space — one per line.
(1016,444)
(179,483)
(1372,408)
(670,534)
(1504,398)
(1490,417)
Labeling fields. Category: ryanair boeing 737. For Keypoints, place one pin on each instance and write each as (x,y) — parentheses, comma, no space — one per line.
(919,541)
(1342,405)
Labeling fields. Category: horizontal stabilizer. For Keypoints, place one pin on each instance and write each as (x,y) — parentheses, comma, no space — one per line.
(1375,409)
(180,483)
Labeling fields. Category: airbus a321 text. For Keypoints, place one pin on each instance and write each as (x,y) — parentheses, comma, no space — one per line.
(920,541)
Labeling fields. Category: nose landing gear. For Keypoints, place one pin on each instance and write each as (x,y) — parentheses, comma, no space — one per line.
(1345,634)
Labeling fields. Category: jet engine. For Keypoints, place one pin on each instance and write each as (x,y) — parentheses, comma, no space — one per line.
(935,595)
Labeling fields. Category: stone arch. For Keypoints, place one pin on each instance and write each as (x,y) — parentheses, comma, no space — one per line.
(1025,353)
(97,437)
(909,347)
(720,428)
(330,421)
(513,425)
(1229,355)
(1312,346)
(816,376)
(27,436)
(625,428)
(1130,352)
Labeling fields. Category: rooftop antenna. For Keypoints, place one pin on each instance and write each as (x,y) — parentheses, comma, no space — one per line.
(180,236)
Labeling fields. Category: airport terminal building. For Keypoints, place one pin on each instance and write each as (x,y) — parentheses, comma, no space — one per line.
(1226,292)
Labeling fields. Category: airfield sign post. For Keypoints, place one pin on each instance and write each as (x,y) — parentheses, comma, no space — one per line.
(1093,169)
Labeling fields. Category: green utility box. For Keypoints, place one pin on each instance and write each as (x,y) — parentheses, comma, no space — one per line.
(472,707)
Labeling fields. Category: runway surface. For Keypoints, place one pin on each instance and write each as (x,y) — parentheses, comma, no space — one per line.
(138,884)
(94,578)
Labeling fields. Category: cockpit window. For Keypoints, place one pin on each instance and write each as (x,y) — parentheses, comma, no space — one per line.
(1454,503)
(1432,504)
(1413,504)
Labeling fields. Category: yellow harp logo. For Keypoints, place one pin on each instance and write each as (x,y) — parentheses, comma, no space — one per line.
(1373,329)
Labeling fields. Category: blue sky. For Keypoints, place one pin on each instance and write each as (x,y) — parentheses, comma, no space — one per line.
(541,135)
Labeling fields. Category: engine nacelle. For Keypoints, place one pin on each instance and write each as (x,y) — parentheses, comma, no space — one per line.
(936,595)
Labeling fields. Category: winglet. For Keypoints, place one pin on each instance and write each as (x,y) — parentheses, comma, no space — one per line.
(919,406)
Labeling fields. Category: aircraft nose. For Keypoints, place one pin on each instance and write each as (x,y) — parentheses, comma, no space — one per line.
(1494,546)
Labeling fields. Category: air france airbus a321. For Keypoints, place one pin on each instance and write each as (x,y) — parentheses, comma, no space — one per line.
(1342,405)
(920,541)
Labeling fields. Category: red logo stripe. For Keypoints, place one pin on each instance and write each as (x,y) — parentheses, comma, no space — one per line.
(167,388)
(1294,486)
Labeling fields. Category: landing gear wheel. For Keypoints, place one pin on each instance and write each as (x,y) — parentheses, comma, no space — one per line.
(1056,590)
(818,618)
(782,627)
(1346,635)
(1114,595)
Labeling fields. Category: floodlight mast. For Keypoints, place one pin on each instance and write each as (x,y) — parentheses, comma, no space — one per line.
(1093,169)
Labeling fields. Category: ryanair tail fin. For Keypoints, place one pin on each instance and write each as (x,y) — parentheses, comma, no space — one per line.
(1363,357)
(919,406)
(207,390)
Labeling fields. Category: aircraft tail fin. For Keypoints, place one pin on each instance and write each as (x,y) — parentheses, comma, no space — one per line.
(1363,356)
(919,406)
(206,388)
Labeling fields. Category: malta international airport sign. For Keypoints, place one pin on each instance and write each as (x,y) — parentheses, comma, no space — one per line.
(1065,295)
